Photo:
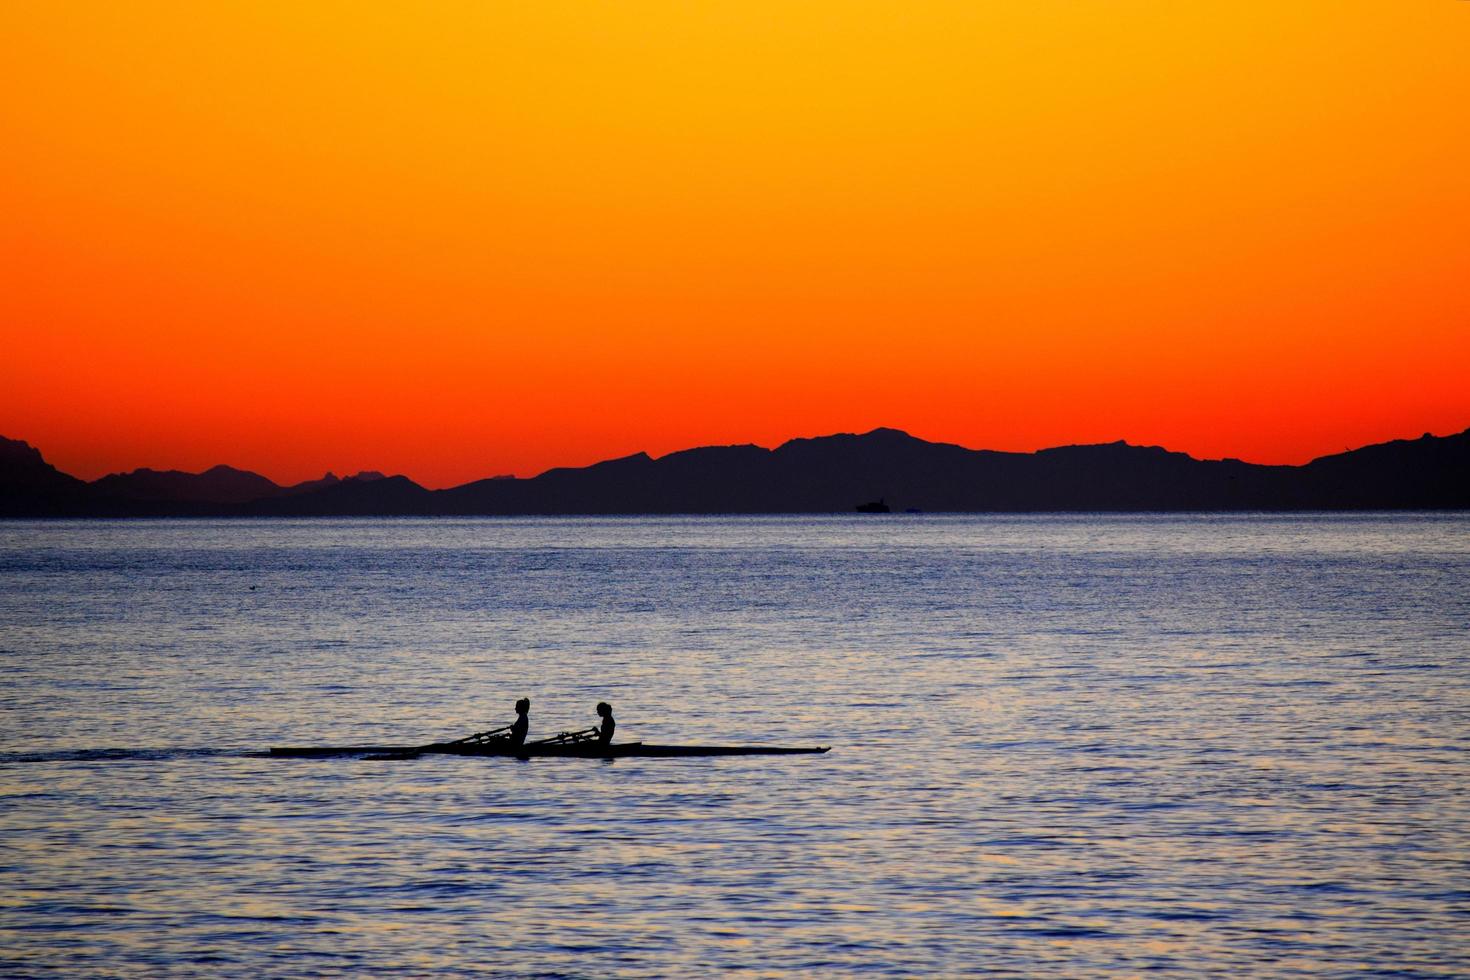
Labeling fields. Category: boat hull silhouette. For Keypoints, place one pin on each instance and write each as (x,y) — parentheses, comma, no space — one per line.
(622,750)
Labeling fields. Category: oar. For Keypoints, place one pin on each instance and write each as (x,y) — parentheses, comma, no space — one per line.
(479,738)
(567,737)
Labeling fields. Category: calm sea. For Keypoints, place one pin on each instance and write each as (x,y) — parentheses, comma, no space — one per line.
(1229,745)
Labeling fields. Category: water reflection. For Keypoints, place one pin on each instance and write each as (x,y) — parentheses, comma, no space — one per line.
(1066,745)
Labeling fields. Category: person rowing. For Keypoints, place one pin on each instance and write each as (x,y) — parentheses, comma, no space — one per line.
(522,724)
(601,734)
(513,735)
(605,732)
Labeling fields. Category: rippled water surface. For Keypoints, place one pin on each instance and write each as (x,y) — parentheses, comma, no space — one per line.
(1062,745)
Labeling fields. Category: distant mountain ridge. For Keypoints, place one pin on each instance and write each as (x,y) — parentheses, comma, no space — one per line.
(826,474)
(218,484)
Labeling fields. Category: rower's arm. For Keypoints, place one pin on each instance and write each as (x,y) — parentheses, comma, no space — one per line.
(582,736)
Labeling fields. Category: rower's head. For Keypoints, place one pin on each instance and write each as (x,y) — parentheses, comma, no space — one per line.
(604,709)
(523,706)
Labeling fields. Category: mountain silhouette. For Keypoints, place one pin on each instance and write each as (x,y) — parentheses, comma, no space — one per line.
(218,484)
(833,474)
(828,474)
(32,487)
(365,495)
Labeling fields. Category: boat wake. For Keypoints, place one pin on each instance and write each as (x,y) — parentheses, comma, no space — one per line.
(115,755)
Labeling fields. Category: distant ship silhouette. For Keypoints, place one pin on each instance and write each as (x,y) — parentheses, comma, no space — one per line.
(879,506)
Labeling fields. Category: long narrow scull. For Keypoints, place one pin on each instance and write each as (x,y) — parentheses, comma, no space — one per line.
(583,750)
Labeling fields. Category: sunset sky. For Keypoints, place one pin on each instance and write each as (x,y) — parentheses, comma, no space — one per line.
(458,239)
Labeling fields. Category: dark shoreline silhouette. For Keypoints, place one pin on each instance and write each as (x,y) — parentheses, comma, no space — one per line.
(821,475)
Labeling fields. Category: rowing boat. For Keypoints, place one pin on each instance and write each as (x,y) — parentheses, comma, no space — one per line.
(574,750)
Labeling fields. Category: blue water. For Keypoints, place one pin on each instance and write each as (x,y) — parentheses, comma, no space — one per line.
(1062,745)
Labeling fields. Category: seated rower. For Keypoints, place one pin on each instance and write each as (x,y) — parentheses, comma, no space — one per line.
(513,735)
(522,723)
(605,733)
(601,734)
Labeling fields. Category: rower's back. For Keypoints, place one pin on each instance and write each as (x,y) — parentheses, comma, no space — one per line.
(605,734)
(522,724)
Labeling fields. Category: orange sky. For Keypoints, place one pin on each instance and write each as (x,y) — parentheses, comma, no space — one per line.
(457,239)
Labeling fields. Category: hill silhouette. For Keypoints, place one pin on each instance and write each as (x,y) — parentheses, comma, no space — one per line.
(32,487)
(218,484)
(213,491)
(828,474)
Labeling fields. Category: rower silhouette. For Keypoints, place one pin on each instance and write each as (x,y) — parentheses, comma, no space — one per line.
(506,736)
(605,734)
(522,724)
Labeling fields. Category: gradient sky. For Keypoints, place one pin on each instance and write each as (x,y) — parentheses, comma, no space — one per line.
(457,239)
